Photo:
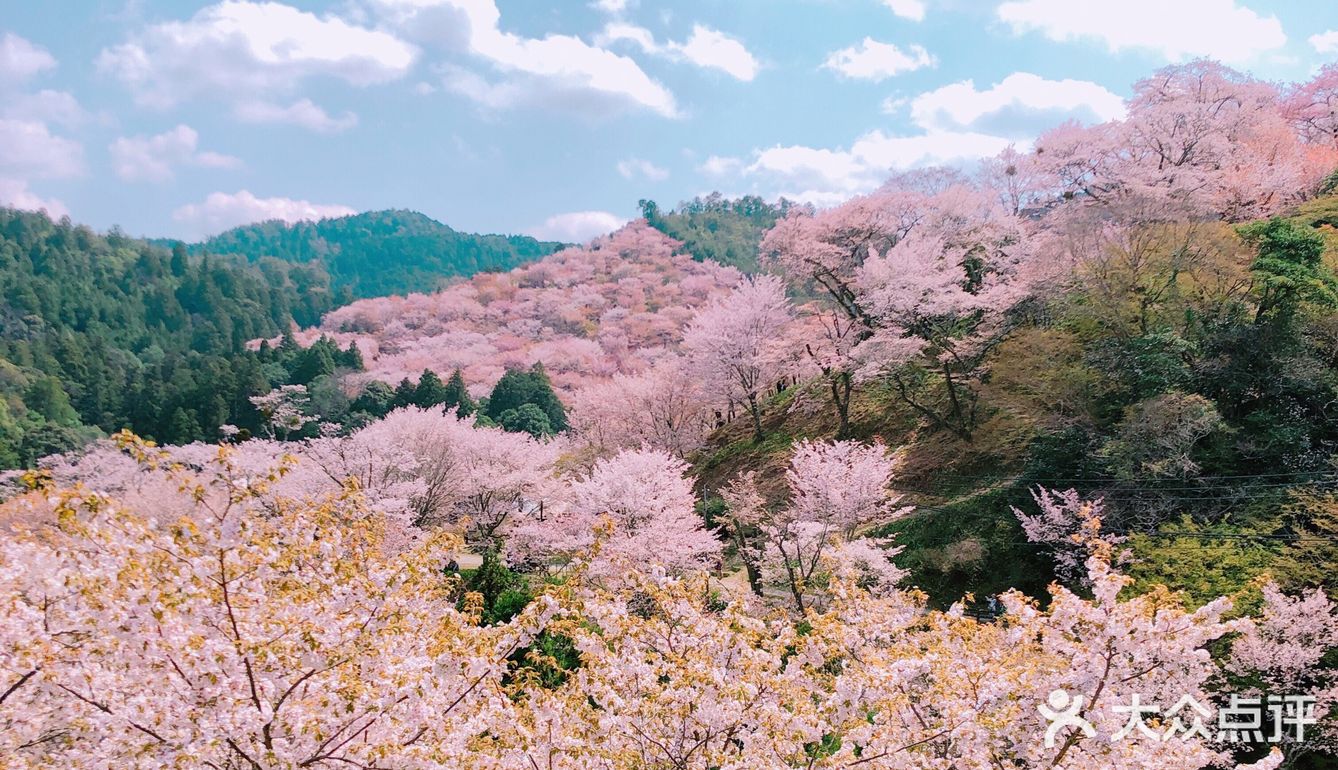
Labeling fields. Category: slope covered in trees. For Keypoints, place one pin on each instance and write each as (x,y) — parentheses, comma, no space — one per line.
(585,313)
(379,253)
(100,333)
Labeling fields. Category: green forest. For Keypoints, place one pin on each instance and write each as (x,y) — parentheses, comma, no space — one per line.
(379,253)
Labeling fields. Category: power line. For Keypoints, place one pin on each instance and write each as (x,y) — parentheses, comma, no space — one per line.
(1128,479)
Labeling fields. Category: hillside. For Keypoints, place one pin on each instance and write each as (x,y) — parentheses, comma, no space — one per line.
(1165,375)
(380,253)
(585,313)
(103,332)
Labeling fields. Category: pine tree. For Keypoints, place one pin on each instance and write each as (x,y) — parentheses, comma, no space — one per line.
(430,392)
(457,395)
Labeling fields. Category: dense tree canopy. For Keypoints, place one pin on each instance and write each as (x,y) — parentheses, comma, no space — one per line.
(101,333)
(379,253)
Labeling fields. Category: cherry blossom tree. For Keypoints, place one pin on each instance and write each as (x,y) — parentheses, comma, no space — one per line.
(1282,653)
(1070,527)
(220,633)
(835,489)
(1313,107)
(1199,139)
(448,469)
(645,501)
(284,410)
(940,300)
(664,407)
(207,626)
(920,274)
(736,343)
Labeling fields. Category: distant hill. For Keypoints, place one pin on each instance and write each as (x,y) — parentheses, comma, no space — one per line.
(100,332)
(380,253)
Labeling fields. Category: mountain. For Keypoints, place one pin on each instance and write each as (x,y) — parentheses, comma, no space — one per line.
(616,304)
(100,332)
(380,253)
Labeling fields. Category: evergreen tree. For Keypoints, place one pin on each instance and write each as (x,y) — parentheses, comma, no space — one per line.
(518,387)
(457,395)
(405,393)
(528,418)
(376,399)
(430,391)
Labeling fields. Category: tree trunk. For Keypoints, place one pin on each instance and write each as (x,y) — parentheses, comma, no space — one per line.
(841,387)
(758,435)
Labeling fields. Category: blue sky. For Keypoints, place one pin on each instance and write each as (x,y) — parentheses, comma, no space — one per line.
(181,118)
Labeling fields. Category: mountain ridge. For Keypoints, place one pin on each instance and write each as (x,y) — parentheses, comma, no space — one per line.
(380,253)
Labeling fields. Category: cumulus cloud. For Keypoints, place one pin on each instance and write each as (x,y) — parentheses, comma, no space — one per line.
(1179,30)
(557,70)
(303,112)
(20,59)
(907,9)
(872,60)
(1019,106)
(28,150)
(220,211)
(154,158)
(713,49)
(577,226)
(242,48)
(720,165)
(828,176)
(15,194)
(705,47)
(959,125)
(45,106)
(636,167)
(609,6)
(1325,42)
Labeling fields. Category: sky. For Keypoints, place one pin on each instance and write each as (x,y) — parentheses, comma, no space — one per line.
(181,119)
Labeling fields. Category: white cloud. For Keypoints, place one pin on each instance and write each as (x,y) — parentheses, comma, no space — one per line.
(220,211)
(238,47)
(15,194)
(828,176)
(28,150)
(577,226)
(636,167)
(1177,30)
(302,112)
(20,59)
(560,71)
(609,6)
(1325,42)
(45,106)
(959,126)
(152,158)
(705,47)
(713,49)
(872,60)
(907,9)
(1021,106)
(719,165)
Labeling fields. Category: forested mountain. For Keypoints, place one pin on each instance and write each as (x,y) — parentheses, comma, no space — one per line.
(103,332)
(721,229)
(380,253)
